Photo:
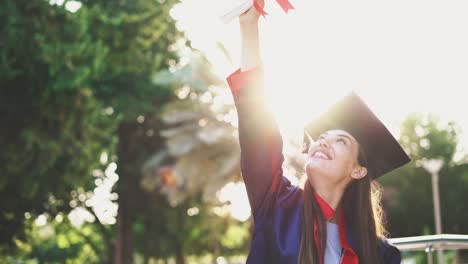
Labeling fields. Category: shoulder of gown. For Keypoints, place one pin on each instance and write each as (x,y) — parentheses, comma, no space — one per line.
(390,253)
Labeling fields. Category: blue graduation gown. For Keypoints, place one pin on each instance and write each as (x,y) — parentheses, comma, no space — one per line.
(276,204)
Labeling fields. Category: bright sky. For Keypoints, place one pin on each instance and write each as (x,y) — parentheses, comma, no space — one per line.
(400,56)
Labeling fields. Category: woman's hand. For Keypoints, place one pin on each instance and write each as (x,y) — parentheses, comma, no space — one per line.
(251,16)
(250,50)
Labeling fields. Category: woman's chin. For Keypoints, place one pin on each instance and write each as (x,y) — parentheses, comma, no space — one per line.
(313,167)
(314,164)
(316,167)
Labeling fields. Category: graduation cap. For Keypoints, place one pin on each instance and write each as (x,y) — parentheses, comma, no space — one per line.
(351,114)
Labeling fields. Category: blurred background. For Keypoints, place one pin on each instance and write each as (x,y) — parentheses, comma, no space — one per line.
(118,137)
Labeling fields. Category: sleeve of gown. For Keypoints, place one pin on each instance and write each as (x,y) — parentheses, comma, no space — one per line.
(259,138)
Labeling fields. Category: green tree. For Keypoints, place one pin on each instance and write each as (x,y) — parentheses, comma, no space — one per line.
(202,155)
(74,85)
(60,242)
(53,127)
(140,37)
(408,191)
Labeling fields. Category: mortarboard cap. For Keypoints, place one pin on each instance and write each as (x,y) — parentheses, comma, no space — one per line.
(351,114)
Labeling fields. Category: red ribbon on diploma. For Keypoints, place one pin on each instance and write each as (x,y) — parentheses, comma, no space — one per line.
(285,4)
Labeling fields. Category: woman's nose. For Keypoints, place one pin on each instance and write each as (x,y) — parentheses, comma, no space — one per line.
(323,143)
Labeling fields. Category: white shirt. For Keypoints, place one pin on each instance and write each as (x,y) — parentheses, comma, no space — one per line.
(333,249)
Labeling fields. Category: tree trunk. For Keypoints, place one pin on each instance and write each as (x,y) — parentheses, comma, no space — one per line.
(216,252)
(126,150)
(124,237)
(180,258)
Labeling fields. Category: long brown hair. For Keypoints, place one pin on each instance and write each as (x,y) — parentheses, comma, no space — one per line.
(362,213)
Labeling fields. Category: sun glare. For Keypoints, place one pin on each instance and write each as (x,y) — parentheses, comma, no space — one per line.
(236,197)
(399,60)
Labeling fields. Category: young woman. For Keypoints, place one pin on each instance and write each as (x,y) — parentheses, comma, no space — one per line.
(336,217)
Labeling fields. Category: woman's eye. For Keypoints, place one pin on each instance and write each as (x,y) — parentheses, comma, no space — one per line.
(341,140)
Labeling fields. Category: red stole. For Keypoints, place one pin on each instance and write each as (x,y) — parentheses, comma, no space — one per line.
(285,5)
(348,255)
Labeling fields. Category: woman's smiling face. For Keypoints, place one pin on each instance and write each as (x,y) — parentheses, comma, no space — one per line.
(333,158)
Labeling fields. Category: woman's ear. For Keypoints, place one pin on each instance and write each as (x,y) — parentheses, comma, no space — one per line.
(359,173)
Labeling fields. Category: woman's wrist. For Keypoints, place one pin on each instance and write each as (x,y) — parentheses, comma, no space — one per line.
(248,21)
(249,30)
(250,55)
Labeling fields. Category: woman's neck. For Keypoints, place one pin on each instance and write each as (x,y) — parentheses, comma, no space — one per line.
(332,196)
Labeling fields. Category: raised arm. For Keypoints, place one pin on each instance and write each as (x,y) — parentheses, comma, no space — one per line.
(250,43)
(260,140)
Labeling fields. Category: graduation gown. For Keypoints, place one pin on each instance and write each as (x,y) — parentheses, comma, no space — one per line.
(276,204)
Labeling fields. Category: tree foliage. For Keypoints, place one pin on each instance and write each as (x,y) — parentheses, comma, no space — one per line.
(408,191)
(201,155)
(70,82)
(53,127)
